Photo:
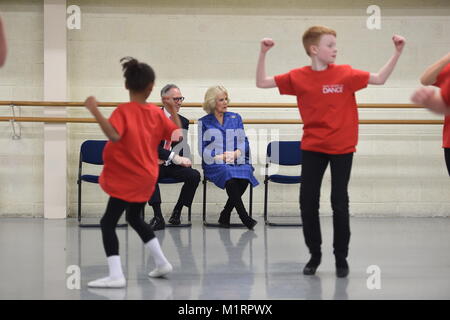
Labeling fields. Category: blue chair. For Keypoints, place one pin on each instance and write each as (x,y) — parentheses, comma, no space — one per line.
(91,152)
(173,181)
(284,153)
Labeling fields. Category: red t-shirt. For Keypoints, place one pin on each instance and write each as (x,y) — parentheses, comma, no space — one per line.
(327,105)
(445,91)
(442,79)
(130,168)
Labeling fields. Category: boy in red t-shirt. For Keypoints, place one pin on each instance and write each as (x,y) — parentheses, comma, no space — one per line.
(326,100)
(438,75)
(130,169)
(3,49)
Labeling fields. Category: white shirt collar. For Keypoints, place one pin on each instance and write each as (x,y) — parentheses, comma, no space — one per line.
(166,112)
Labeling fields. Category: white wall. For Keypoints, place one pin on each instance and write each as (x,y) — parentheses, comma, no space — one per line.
(21,170)
(398,170)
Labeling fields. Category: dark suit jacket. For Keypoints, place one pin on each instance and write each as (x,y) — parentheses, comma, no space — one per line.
(181,148)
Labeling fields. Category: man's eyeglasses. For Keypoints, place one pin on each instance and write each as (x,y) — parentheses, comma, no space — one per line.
(178,99)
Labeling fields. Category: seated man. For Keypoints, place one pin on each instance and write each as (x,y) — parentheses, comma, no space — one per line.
(174,163)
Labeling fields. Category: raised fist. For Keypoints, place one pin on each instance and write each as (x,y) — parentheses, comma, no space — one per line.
(266,44)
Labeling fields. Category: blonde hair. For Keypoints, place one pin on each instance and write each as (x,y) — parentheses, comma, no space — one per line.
(313,34)
(209,104)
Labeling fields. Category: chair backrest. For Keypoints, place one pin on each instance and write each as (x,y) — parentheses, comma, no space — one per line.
(286,153)
(92,151)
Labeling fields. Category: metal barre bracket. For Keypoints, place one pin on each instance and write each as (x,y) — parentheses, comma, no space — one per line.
(15,136)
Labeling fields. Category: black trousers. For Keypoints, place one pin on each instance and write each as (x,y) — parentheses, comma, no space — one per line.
(235,189)
(108,223)
(313,168)
(189,176)
(447,159)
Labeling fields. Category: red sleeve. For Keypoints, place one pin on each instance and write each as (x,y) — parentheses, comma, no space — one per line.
(444,74)
(445,92)
(284,84)
(118,121)
(168,127)
(359,79)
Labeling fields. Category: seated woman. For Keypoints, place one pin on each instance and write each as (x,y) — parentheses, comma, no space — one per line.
(225,153)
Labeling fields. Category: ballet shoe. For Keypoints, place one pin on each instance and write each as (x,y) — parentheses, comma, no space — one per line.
(107,282)
(161,271)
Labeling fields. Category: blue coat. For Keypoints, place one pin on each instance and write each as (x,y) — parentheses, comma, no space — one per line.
(214,139)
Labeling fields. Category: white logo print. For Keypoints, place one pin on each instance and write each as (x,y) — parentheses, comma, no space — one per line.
(333,88)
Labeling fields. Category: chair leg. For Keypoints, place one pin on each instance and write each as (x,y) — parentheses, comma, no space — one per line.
(266,204)
(79,201)
(81,225)
(250,205)
(204,200)
(266,190)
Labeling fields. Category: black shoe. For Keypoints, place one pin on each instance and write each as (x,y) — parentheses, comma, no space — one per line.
(224,220)
(312,265)
(342,269)
(224,225)
(250,223)
(157,223)
(175,217)
(342,272)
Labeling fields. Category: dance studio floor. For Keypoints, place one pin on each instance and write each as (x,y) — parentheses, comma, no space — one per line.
(40,260)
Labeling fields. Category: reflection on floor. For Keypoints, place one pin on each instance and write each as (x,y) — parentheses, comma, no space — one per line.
(40,259)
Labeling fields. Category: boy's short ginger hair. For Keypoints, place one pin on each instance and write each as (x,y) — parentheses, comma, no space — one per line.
(313,34)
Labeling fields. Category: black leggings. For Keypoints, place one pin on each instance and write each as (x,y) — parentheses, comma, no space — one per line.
(114,211)
(313,169)
(447,159)
(235,189)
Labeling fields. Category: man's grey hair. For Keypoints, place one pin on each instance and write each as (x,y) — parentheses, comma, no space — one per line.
(168,87)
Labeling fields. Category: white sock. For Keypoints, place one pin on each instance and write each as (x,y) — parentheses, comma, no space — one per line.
(156,252)
(115,267)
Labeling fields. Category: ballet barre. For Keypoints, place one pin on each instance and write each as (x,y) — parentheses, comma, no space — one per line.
(199,105)
(247,121)
(59,104)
